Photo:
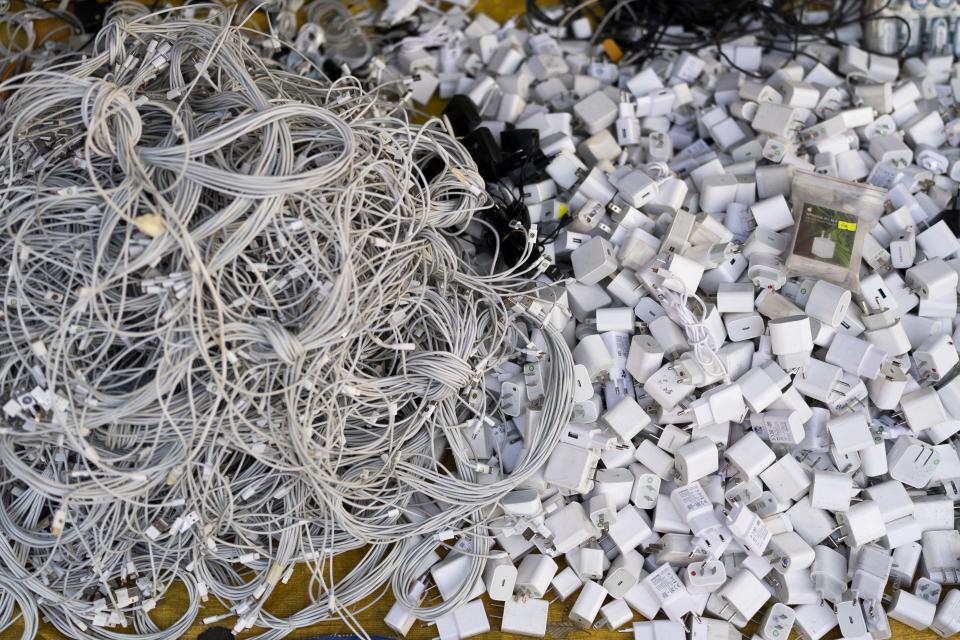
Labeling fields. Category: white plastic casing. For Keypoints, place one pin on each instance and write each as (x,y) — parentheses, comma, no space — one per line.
(525,617)
(871,571)
(906,559)
(632,529)
(946,622)
(831,490)
(696,459)
(593,261)
(704,577)
(587,605)
(401,619)
(922,409)
(500,577)
(669,591)
(735,297)
(592,353)
(772,213)
(566,583)
(659,630)
(912,462)
(625,571)
(791,341)
(614,615)
(626,419)
(850,432)
(862,523)
(748,529)
(813,621)
(570,528)
(777,622)
(786,479)
(644,358)
(892,498)
(750,455)
(911,610)
(744,593)
(534,575)
(828,303)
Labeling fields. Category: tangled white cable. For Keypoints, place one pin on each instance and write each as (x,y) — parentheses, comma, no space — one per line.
(240,327)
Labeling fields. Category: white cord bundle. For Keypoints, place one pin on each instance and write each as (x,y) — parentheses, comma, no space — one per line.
(239,332)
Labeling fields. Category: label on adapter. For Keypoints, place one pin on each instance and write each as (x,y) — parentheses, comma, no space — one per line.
(778,429)
(664,582)
(693,497)
(758,537)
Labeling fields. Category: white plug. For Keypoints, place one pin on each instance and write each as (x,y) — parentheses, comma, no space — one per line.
(525,616)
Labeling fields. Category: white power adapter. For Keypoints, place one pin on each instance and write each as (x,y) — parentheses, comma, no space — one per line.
(912,462)
(780,427)
(401,619)
(525,617)
(911,610)
(744,594)
(932,278)
(594,260)
(871,571)
(587,605)
(772,213)
(749,455)
(850,432)
(566,583)
(569,528)
(668,589)
(625,571)
(626,419)
(789,552)
(777,622)
(659,630)
(644,358)
(614,615)
(655,459)
(941,556)
(631,530)
(831,490)
(786,479)
(592,353)
(735,297)
(705,576)
(748,529)
(500,577)
(791,341)
(856,356)
(534,575)
(761,386)
(946,622)
(646,487)
(709,530)
(572,467)
(903,250)
(862,523)
(936,356)
(637,188)
(813,621)
(696,459)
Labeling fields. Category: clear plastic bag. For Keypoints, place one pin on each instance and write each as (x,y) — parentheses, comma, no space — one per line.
(831,216)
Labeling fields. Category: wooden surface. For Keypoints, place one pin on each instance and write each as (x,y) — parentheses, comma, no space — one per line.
(289,598)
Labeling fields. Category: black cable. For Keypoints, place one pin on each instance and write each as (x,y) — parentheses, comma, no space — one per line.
(643,28)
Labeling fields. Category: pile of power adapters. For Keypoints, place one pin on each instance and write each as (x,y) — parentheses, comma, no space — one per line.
(753,258)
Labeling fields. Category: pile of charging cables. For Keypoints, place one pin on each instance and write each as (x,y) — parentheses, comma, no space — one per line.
(241,331)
